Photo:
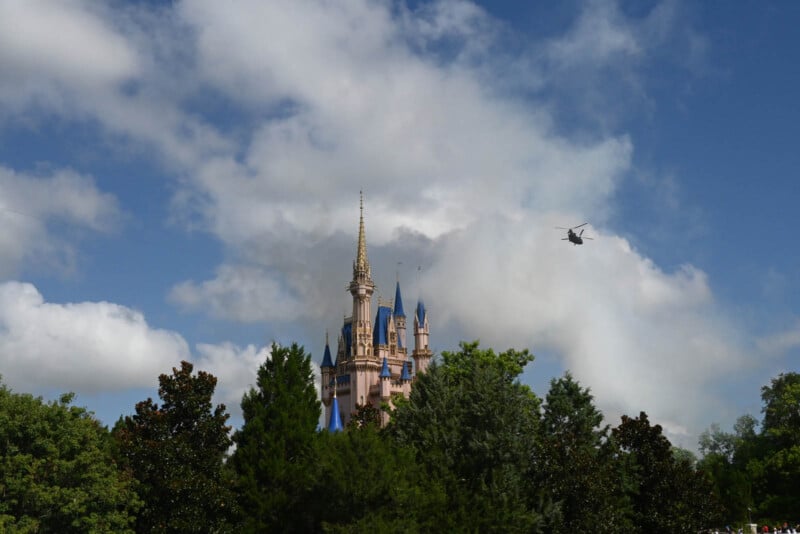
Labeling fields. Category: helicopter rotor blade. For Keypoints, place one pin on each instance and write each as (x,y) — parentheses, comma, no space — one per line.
(580,234)
(591,238)
(560,228)
(584,224)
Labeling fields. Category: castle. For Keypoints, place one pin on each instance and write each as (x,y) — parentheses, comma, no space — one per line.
(372,361)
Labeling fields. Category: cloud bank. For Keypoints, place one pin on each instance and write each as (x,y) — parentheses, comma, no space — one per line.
(463,150)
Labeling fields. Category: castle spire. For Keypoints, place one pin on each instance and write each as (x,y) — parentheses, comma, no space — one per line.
(335,424)
(326,358)
(362,263)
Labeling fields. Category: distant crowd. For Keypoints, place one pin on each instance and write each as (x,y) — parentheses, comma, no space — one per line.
(763,530)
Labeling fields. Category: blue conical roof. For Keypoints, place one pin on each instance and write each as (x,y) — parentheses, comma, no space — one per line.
(335,424)
(326,359)
(406,375)
(398,302)
(380,335)
(420,312)
(385,369)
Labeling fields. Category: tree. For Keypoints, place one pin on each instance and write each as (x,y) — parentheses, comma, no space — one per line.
(576,462)
(472,426)
(782,410)
(365,414)
(274,456)
(57,473)
(776,468)
(366,482)
(667,493)
(725,459)
(176,452)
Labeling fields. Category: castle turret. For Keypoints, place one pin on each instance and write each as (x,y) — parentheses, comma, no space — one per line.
(422,353)
(326,369)
(400,319)
(386,377)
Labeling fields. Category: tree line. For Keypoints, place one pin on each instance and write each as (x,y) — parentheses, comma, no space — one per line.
(471,450)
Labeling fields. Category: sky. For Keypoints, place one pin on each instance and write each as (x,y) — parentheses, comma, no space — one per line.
(180,180)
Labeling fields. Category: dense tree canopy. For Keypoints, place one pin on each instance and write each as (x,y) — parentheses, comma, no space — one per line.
(472,449)
(473,426)
(365,482)
(274,456)
(578,464)
(176,452)
(776,470)
(667,493)
(57,473)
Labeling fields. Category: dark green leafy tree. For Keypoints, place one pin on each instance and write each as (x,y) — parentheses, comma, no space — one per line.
(274,460)
(578,464)
(667,493)
(776,467)
(57,473)
(473,426)
(365,482)
(365,414)
(176,451)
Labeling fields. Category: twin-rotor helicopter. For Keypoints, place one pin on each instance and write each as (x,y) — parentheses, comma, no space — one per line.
(572,237)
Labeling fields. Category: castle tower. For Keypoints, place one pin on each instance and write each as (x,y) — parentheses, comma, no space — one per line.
(422,352)
(372,364)
(326,370)
(400,319)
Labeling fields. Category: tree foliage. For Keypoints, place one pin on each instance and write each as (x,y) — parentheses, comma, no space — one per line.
(57,473)
(473,426)
(176,452)
(775,469)
(472,449)
(365,481)
(274,456)
(667,493)
(577,463)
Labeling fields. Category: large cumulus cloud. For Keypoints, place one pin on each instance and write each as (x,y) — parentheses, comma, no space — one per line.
(464,153)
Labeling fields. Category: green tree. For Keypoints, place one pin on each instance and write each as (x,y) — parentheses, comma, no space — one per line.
(578,464)
(57,473)
(365,414)
(667,493)
(725,457)
(274,458)
(473,426)
(776,466)
(366,482)
(176,451)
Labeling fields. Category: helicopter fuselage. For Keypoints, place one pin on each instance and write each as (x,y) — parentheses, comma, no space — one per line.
(574,238)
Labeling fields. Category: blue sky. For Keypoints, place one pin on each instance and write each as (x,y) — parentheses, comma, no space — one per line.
(180,180)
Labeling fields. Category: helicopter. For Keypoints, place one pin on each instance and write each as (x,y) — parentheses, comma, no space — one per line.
(572,237)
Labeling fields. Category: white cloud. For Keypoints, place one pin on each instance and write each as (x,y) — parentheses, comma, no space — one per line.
(84,346)
(47,47)
(599,38)
(99,347)
(246,294)
(31,204)
(641,338)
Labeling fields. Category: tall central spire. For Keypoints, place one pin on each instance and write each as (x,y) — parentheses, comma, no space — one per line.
(362,263)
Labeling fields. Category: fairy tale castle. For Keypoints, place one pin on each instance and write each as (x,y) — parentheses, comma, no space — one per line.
(372,361)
